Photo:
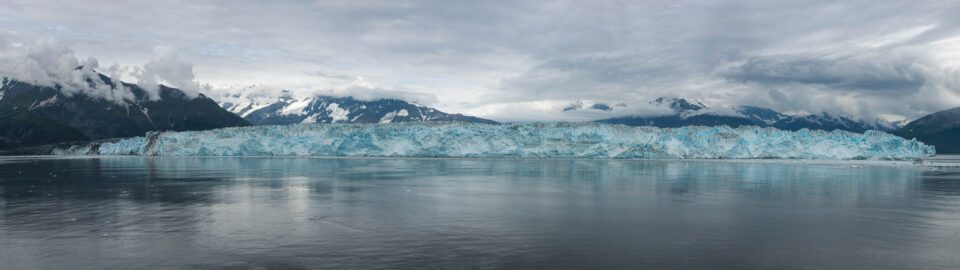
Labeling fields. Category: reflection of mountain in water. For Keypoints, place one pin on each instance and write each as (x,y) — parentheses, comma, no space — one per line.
(177,212)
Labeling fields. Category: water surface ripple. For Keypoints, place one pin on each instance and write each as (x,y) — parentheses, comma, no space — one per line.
(290,213)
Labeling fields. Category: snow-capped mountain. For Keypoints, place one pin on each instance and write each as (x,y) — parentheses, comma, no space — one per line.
(288,109)
(760,116)
(827,121)
(687,113)
(680,106)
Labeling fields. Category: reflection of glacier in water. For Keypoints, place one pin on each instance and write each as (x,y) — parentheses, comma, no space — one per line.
(398,213)
(540,140)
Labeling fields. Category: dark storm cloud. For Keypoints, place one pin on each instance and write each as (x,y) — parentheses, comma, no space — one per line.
(842,74)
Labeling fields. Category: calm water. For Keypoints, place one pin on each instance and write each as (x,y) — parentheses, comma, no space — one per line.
(282,213)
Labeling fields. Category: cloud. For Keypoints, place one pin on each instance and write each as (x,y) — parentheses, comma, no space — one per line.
(602,76)
(45,63)
(330,75)
(877,62)
(859,56)
(907,81)
(860,72)
(165,67)
(357,88)
(49,63)
(362,89)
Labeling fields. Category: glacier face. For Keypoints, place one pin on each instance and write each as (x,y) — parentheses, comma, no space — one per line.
(537,140)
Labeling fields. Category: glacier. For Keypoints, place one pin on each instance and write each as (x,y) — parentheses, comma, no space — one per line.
(529,140)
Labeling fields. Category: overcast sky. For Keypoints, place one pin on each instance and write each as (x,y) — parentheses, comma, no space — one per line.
(527,60)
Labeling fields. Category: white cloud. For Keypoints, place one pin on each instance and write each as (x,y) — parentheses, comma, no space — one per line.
(165,67)
(49,63)
(859,57)
(358,88)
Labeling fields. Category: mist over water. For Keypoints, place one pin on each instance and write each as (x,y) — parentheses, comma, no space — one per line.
(156,213)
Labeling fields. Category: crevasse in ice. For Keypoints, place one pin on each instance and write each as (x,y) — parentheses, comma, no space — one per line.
(540,140)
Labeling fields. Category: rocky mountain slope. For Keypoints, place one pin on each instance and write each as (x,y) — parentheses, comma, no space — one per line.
(941,129)
(328,109)
(34,114)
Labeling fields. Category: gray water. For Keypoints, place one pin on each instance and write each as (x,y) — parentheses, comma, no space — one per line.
(289,213)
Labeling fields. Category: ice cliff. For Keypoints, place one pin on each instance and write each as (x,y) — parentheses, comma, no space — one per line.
(534,140)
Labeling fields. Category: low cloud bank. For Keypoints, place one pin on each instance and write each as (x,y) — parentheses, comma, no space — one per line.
(356,87)
(49,63)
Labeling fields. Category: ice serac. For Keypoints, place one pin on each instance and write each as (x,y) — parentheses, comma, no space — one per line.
(535,140)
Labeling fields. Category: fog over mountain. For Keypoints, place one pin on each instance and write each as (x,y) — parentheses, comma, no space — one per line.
(506,61)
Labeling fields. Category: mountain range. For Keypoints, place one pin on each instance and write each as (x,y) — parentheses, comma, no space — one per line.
(329,109)
(34,115)
(695,113)
(940,129)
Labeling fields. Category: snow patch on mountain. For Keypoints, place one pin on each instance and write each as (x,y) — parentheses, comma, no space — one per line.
(43,103)
(388,118)
(296,107)
(337,113)
(681,106)
(3,85)
(289,109)
(250,99)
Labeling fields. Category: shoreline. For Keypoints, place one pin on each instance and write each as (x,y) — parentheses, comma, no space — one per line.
(934,161)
